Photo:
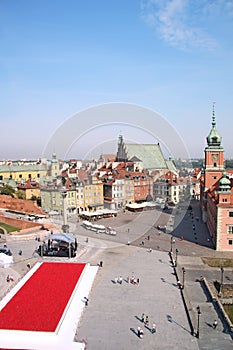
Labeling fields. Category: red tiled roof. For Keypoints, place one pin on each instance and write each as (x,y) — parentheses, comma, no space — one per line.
(29,184)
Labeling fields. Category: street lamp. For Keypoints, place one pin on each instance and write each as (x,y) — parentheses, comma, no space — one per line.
(172,242)
(183,271)
(176,257)
(221,286)
(198,321)
(65,227)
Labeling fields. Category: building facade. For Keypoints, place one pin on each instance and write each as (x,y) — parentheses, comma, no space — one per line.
(216,193)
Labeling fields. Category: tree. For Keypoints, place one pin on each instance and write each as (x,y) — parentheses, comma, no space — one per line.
(36,199)
(21,194)
(8,190)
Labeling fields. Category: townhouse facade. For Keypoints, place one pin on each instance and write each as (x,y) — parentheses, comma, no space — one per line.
(167,187)
(82,193)
(123,186)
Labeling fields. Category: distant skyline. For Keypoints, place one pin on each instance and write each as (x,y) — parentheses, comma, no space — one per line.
(59,57)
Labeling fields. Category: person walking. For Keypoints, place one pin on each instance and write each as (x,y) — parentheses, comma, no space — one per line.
(215,324)
(153,329)
(139,332)
(120,279)
(143,317)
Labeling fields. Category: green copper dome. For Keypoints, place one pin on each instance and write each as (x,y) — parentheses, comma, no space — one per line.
(224,183)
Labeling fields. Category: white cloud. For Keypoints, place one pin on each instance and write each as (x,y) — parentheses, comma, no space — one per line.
(183,23)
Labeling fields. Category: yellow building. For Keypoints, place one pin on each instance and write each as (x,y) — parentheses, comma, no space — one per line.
(30,188)
(93,191)
(20,173)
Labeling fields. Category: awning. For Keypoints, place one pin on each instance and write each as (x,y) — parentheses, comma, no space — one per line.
(63,237)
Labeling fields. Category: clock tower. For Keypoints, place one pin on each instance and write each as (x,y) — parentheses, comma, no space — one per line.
(214,156)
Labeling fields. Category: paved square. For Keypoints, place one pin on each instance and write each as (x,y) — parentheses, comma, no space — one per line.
(113,315)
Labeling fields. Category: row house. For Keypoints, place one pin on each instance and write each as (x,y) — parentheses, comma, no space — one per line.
(82,192)
(93,191)
(195,184)
(51,198)
(122,187)
(167,187)
(53,195)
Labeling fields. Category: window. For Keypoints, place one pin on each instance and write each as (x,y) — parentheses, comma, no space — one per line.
(214,177)
(230,241)
(231,214)
(230,229)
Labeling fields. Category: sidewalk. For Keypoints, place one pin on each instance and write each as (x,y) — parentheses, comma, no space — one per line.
(196,295)
(113,315)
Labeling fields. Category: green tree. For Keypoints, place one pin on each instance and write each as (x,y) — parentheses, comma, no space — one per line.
(8,190)
(21,194)
(36,199)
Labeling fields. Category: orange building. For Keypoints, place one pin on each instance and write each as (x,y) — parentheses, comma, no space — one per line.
(31,188)
(216,193)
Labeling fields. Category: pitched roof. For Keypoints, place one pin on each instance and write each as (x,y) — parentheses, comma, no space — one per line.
(29,184)
(150,155)
(171,166)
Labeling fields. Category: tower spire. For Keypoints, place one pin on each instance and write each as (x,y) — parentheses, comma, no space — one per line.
(214,139)
(213,116)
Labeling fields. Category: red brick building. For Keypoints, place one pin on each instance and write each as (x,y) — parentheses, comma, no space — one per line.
(216,193)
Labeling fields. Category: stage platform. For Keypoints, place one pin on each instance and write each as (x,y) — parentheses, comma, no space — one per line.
(43,310)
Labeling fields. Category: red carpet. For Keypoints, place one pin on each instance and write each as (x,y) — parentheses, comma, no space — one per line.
(40,303)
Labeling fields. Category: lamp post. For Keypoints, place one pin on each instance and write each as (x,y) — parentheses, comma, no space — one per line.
(172,242)
(198,321)
(183,271)
(222,273)
(64,226)
(176,257)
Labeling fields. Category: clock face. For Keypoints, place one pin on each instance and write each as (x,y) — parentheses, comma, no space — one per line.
(215,156)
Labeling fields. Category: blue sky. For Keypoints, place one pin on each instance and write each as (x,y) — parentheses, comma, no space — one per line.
(60,57)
